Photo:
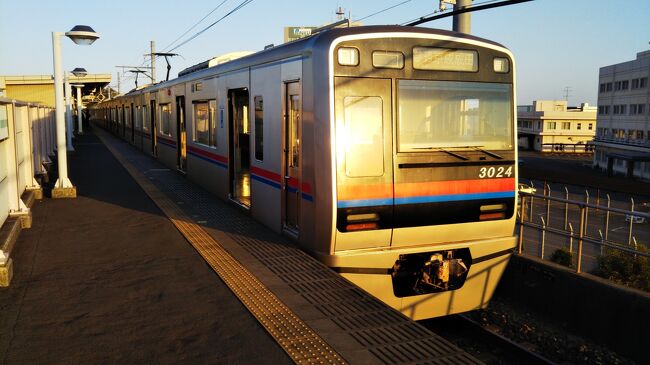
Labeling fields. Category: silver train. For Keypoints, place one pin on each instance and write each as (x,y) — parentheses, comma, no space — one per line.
(386,152)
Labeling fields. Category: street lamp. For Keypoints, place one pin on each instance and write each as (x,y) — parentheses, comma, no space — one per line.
(80,34)
(80,128)
(79,72)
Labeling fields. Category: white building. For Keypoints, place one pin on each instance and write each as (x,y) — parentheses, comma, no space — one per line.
(623,135)
(552,126)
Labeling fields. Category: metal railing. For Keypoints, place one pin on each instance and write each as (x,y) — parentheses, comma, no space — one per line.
(557,215)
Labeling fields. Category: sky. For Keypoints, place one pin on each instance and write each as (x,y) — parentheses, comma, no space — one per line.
(556,43)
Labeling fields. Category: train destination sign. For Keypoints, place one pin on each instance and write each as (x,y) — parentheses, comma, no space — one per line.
(445,59)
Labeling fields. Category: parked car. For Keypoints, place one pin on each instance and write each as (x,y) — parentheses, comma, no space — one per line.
(525,188)
(634,218)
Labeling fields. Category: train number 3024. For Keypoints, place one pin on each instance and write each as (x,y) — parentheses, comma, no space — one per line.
(490,172)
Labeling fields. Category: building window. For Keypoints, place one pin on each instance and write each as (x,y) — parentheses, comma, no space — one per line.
(609,86)
(641,108)
(643,82)
(632,109)
(539,125)
(617,86)
(259,128)
(566,125)
(591,126)
(625,84)
(579,126)
(551,125)
(603,88)
(635,83)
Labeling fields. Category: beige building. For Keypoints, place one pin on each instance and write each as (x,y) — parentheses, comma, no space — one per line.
(552,126)
(623,136)
(40,88)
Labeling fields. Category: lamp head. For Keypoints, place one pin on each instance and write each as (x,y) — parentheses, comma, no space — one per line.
(80,72)
(82,34)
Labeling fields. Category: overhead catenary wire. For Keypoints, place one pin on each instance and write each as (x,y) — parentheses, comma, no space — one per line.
(195,25)
(238,7)
(383,10)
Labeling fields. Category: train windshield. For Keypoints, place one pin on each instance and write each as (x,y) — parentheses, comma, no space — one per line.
(450,114)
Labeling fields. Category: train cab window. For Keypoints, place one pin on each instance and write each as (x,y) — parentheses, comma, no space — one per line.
(388,59)
(348,56)
(165,119)
(259,128)
(363,136)
(433,115)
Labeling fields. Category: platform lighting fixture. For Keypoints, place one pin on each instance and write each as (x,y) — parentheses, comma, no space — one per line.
(84,35)
(80,72)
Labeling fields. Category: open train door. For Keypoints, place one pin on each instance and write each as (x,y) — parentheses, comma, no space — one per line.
(181,133)
(239,160)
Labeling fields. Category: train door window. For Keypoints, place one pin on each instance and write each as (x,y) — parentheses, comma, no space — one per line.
(364,136)
(165,119)
(138,118)
(292,172)
(145,118)
(212,104)
(259,128)
(127,116)
(201,123)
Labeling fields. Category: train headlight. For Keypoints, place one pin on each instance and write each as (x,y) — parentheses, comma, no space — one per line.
(501,65)
(348,56)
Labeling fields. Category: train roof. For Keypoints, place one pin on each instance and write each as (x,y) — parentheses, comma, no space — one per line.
(298,47)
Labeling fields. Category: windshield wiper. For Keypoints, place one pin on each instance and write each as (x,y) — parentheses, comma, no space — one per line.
(461,157)
(492,154)
(480,149)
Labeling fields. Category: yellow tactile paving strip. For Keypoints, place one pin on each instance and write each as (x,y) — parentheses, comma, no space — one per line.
(300,342)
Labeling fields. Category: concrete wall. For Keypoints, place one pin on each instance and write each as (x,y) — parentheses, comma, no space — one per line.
(613,315)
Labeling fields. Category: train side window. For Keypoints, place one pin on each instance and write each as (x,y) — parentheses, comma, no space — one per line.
(165,119)
(127,116)
(138,118)
(202,123)
(259,128)
(364,136)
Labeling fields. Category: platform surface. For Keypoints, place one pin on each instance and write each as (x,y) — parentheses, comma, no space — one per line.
(108,277)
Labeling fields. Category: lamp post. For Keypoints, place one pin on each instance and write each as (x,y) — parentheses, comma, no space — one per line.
(79,72)
(80,34)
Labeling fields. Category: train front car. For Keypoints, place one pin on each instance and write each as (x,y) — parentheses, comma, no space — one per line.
(423,151)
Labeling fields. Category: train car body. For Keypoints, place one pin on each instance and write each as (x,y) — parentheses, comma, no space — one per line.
(386,152)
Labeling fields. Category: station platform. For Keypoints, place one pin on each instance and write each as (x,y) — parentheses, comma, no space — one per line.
(146,267)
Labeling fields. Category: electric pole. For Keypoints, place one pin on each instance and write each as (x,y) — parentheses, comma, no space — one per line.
(152,45)
(567,89)
(462,22)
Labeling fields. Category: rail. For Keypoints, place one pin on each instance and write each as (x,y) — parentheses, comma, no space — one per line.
(563,227)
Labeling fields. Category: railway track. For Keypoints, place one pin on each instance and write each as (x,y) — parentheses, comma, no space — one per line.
(486,345)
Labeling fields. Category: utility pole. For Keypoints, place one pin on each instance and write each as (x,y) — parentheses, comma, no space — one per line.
(152,53)
(567,89)
(119,86)
(462,22)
